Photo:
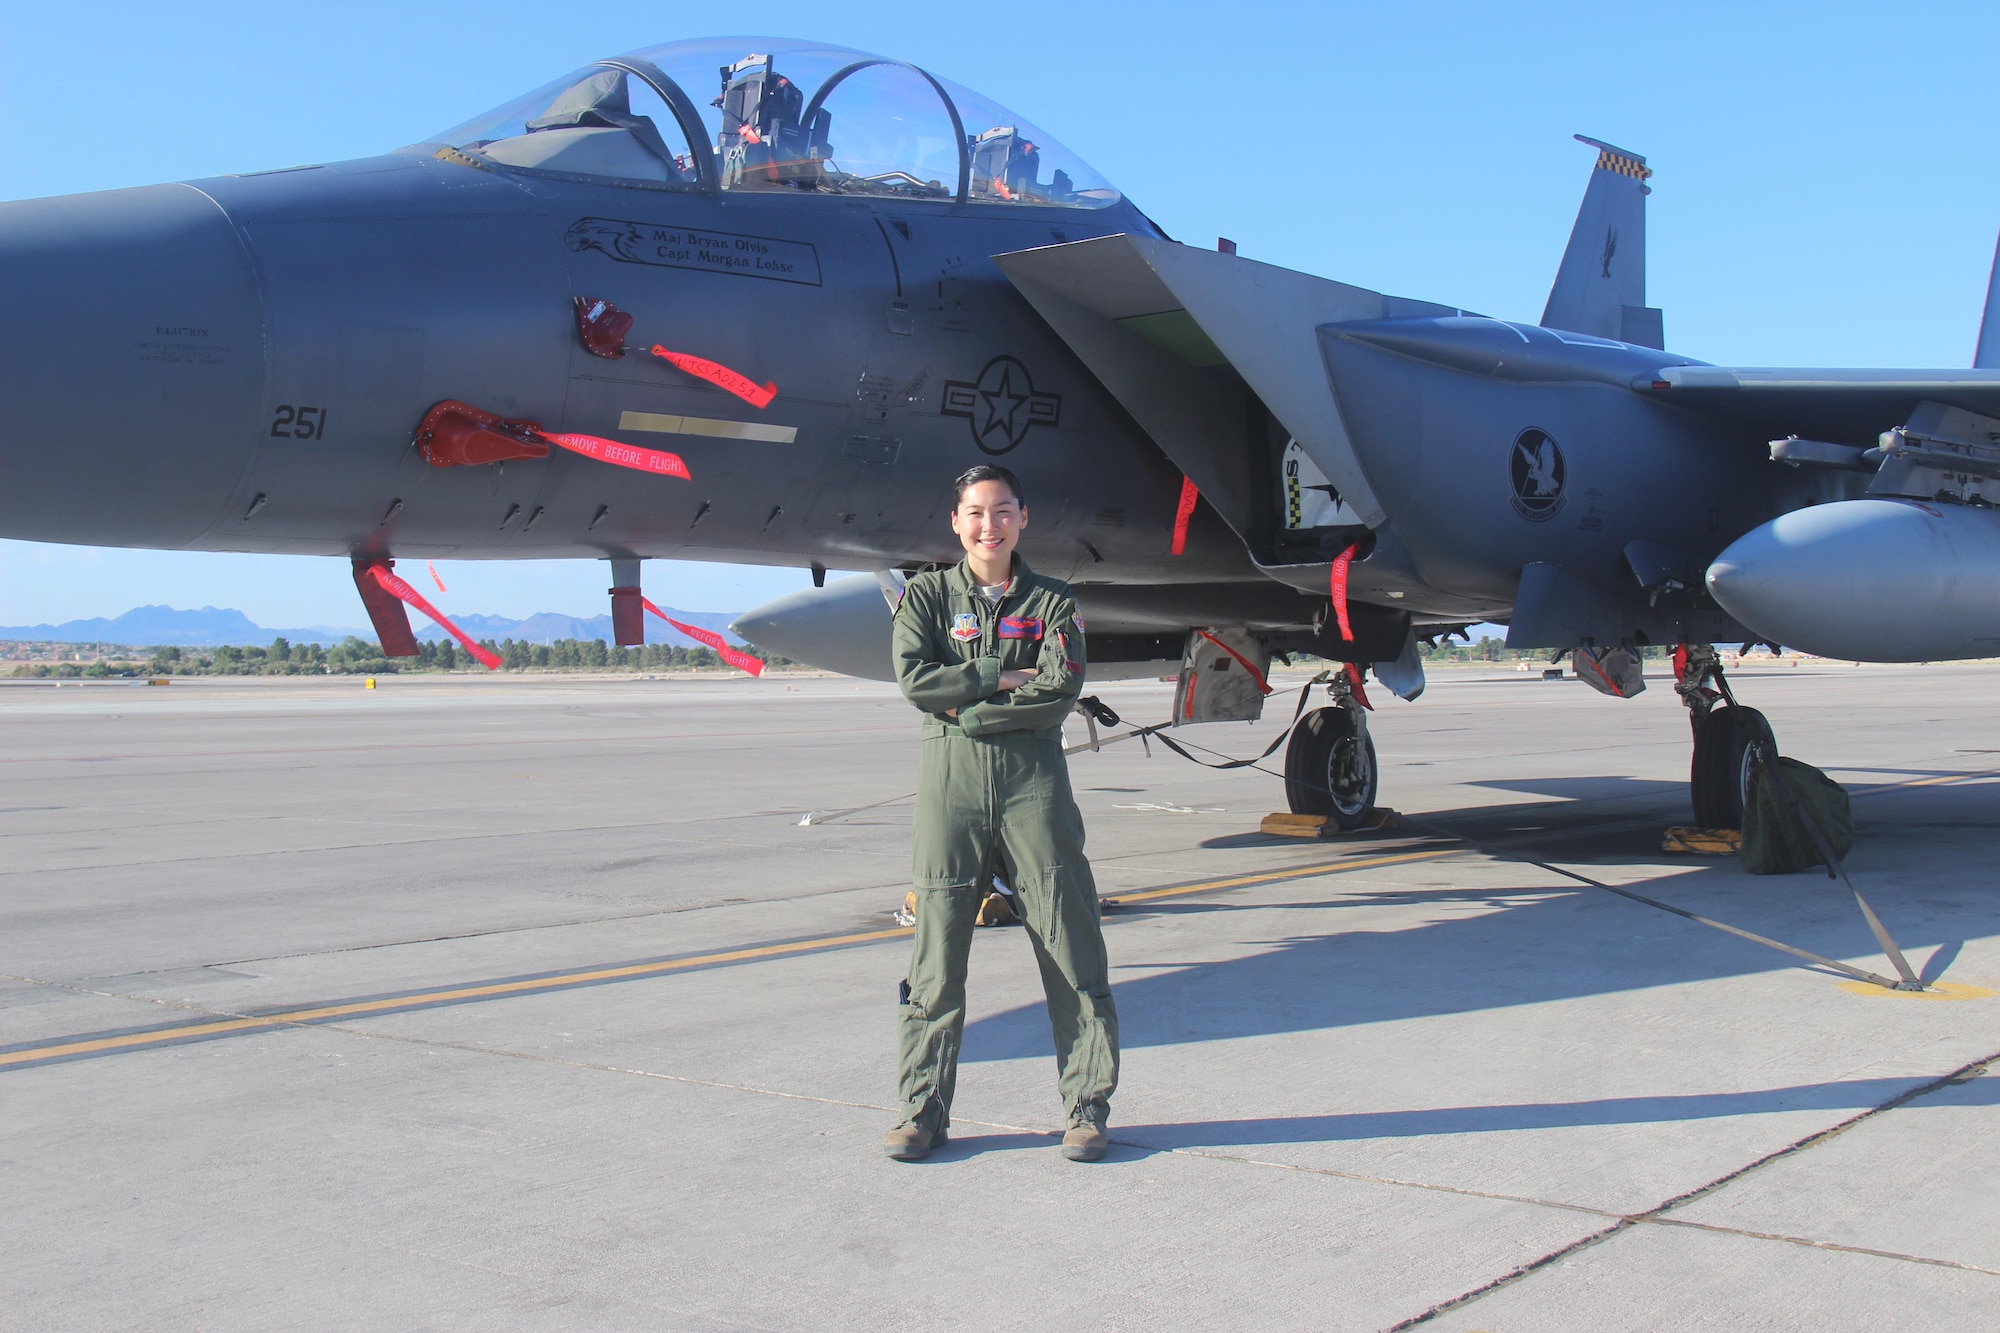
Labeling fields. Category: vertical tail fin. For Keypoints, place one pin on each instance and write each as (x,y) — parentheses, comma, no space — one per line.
(1601,287)
(1986,356)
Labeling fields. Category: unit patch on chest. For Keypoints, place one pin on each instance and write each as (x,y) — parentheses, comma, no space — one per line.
(1020,627)
(964,625)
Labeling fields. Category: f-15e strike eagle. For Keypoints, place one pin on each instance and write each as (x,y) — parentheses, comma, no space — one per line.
(759,300)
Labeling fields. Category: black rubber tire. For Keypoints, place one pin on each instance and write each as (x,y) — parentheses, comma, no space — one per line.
(1719,778)
(1326,771)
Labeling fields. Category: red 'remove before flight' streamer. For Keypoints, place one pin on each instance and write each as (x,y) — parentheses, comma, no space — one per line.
(622,455)
(722,377)
(1340,564)
(741,661)
(1354,679)
(403,592)
(1182,514)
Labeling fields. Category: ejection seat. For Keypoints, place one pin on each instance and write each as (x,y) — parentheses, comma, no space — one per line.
(1006,165)
(762,143)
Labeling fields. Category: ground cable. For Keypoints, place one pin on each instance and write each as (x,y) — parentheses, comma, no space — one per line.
(1496,850)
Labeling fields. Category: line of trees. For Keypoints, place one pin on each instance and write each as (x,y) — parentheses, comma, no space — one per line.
(1488,649)
(1491,649)
(360,657)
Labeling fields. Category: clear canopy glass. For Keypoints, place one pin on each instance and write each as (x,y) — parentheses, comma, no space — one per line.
(771,114)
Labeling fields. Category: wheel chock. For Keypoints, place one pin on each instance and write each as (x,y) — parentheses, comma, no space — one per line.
(996,910)
(1379,819)
(1294,826)
(1704,841)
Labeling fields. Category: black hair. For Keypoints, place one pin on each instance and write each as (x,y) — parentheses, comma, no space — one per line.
(972,476)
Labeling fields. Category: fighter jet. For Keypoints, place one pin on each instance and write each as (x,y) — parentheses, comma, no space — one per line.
(749,299)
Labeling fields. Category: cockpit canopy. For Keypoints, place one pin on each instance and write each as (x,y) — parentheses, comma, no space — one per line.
(785,116)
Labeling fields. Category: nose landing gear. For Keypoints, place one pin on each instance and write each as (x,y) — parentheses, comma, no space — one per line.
(1330,765)
(1726,738)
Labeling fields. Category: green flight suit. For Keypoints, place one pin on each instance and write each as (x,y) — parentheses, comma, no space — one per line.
(994,797)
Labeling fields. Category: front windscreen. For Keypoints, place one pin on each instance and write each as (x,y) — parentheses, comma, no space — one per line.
(598,122)
(780,115)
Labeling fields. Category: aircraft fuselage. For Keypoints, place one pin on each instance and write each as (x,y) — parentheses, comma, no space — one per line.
(237,364)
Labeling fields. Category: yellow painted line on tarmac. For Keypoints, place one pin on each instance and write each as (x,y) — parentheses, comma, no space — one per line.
(1941,780)
(490,990)
(1273,876)
(62,1049)
(1937,990)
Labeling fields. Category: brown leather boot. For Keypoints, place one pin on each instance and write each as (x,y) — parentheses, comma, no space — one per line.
(1086,1138)
(913,1143)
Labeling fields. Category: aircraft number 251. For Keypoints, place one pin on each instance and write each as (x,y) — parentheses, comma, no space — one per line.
(299,423)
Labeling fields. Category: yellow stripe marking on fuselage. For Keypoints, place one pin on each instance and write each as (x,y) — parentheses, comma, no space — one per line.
(660,423)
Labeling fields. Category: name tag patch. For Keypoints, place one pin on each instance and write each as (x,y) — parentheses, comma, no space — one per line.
(965,625)
(1020,627)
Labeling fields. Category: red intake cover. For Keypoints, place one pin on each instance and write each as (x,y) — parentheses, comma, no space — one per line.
(454,434)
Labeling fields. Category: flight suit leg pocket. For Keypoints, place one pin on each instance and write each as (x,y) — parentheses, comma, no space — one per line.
(1077,978)
(951,841)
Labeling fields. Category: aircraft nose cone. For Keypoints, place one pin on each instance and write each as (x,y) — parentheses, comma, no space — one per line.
(842,627)
(131,366)
(1868,580)
(757,627)
(1733,580)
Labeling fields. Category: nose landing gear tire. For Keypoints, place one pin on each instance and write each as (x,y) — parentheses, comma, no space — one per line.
(1719,778)
(1330,766)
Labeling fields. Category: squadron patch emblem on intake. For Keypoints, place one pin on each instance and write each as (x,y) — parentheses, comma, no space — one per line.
(1536,473)
(964,626)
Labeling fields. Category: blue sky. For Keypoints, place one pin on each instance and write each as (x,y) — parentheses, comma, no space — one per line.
(1825,191)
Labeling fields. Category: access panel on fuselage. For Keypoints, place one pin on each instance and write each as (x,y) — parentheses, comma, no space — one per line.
(785,294)
(377,308)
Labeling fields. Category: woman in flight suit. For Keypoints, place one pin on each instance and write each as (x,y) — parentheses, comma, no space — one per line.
(992,653)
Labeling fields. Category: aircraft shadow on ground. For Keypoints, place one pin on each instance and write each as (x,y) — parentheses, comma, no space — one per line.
(1852,1095)
(1576,808)
(1529,938)
(1598,791)
(1618,820)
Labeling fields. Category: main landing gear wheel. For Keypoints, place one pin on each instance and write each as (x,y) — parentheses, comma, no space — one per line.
(1330,766)
(1723,763)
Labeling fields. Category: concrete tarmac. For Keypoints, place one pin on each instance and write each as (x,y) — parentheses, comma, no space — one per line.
(531,1003)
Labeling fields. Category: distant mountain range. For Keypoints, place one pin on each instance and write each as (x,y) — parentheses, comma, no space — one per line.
(150,626)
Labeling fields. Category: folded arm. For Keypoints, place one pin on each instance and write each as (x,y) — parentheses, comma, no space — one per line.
(1044,701)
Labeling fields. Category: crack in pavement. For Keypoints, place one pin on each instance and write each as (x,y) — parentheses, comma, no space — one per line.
(1657,1214)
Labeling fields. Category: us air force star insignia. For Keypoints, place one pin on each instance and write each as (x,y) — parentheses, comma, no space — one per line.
(1001,405)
